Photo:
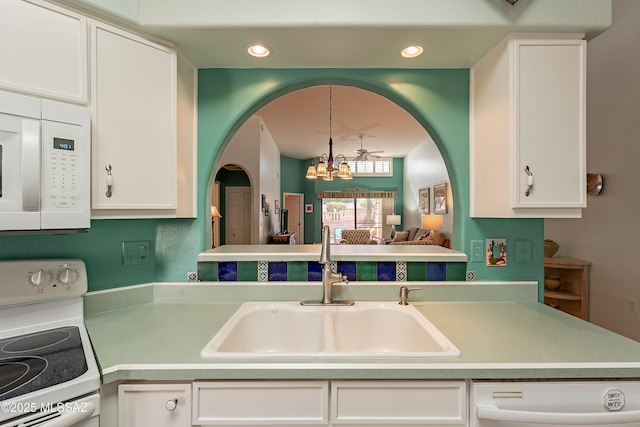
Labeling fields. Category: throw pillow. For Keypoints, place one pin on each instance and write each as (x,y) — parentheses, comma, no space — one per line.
(401,236)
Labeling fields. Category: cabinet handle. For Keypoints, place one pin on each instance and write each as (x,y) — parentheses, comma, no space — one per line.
(109,180)
(529,181)
(171,404)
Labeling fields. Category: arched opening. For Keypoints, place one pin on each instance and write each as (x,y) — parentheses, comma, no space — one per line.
(232,196)
(296,126)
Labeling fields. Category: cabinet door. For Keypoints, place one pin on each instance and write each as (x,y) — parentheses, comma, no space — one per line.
(44,50)
(252,403)
(134,121)
(158,405)
(550,129)
(397,403)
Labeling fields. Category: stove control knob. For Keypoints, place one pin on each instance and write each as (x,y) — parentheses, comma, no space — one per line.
(68,276)
(40,278)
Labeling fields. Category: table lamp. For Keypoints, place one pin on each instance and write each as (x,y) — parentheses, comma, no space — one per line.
(432,222)
(393,220)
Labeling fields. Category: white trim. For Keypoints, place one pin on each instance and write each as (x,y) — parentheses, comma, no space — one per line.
(368,366)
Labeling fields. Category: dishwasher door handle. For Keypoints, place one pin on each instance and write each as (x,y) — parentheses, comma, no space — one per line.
(492,412)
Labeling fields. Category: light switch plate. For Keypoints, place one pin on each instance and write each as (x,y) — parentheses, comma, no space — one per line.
(523,251)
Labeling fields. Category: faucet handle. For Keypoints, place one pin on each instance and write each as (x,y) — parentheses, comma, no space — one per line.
(404,294)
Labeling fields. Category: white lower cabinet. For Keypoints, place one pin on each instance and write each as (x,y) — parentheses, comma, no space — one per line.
(330,403)
(368,403)
(253,403)
(399,403)
(154,404)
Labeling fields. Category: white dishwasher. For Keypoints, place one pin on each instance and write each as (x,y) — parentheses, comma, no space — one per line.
(555,403)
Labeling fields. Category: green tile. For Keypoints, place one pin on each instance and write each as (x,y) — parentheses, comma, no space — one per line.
(208,271)
(247,271)
(456,271)
(416,271)
(366,271)
(297,271)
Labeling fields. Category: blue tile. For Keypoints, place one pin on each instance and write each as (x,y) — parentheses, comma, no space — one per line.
(314,271)
(277,271)
(436,271)
(348,268)
(227,271)
(387,271)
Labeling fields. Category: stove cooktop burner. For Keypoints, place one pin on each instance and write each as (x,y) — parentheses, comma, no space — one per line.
(17,371)
(41,359)
(35,341)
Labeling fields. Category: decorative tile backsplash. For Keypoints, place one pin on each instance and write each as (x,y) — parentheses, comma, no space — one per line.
(311,271)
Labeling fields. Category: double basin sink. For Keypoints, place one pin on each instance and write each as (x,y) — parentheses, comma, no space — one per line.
(365,329)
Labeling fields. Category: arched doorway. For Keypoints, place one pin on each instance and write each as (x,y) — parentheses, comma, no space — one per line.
(233,188)
(297,122)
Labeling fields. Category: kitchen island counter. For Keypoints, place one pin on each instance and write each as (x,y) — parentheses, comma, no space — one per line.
(156,332)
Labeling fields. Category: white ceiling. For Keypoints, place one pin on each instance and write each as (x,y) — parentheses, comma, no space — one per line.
(346,34)
(299,123)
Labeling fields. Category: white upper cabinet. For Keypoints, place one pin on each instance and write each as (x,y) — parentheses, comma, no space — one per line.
(43,50)
(528,130)
(134,125)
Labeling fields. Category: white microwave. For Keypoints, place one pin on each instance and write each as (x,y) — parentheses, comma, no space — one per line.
(45,151)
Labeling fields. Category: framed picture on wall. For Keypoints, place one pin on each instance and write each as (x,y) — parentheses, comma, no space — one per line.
(440,198)
(308,208)
(423,201)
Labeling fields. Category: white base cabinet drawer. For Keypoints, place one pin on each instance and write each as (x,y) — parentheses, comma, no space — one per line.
(252,403)
(369,403)
(158,405)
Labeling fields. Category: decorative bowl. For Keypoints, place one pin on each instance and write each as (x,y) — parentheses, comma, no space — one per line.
(552,282)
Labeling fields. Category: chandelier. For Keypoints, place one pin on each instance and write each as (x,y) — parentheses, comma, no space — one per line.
(329,167)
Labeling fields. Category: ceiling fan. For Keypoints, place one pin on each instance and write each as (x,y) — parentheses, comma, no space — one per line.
(363,154)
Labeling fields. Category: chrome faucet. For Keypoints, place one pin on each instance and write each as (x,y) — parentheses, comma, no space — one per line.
(328,277)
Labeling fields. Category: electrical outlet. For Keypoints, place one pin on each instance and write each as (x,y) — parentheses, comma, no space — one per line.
(135,252)
(477,251)
(632,305)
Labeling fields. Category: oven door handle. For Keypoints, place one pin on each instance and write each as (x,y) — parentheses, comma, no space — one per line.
(492,412)
(71,418)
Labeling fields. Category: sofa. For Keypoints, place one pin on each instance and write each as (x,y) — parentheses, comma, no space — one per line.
(419,236)
(357,237)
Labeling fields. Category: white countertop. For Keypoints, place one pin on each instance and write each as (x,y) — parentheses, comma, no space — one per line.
(416,253)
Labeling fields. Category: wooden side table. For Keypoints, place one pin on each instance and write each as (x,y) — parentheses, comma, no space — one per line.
(573,295)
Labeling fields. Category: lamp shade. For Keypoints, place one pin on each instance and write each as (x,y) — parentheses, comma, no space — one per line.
(432,222)
(215,213)
(393,219)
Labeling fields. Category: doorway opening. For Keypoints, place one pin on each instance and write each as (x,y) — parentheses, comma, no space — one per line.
(233,189)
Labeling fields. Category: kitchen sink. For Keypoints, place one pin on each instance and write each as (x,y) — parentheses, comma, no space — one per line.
(365,329)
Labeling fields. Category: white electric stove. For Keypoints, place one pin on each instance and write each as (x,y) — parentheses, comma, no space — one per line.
(48,372)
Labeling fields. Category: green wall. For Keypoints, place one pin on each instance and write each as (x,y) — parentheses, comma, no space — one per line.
(438,99)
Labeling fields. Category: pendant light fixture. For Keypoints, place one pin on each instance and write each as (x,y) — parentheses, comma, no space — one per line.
(329,167)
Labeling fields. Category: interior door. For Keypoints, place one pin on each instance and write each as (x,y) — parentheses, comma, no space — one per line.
(293,204)
(238,216)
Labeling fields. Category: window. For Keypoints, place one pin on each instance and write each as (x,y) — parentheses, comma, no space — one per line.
(356,213)
(378,167)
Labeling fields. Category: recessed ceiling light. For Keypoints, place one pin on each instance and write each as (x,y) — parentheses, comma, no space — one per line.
(411,51)
(258,50)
